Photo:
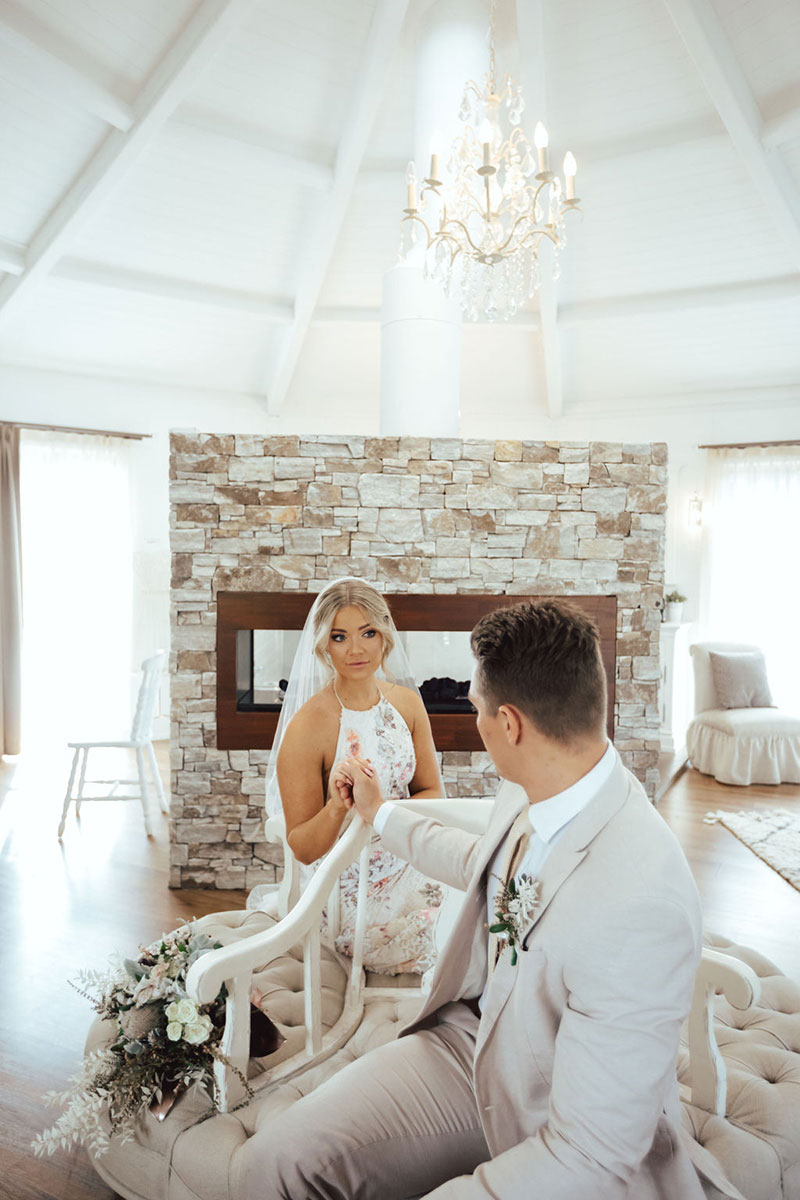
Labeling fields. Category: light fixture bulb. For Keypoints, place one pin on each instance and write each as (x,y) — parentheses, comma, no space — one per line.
(570,165)
(540,138)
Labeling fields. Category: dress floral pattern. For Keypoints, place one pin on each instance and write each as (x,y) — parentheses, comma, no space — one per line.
(402,904)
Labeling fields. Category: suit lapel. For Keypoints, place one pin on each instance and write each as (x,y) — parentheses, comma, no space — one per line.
(572,847)
(454,965)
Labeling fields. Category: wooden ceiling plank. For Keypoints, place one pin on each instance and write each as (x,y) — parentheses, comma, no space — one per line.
(293,168)
(530,31)
(44,60)
(387,24)
(202,35)
(724,80)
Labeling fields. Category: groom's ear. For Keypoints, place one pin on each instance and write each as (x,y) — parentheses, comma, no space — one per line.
(511,723)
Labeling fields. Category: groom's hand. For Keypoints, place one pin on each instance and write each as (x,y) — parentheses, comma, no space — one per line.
(367,793)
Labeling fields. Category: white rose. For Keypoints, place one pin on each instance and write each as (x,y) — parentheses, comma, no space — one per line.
(171,1011)
(174,1031)
(198,1030)
(187,1011)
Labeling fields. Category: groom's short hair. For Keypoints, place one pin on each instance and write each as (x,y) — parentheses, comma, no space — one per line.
(544,658)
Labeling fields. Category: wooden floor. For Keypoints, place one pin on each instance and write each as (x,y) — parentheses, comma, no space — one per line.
(103,889)
(67,905)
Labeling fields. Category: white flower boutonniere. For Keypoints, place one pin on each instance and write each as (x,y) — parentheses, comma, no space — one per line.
(516,904)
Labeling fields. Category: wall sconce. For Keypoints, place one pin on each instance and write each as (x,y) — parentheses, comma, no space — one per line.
(695,512)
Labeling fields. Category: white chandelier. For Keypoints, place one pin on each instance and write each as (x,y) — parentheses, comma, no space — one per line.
(484,226)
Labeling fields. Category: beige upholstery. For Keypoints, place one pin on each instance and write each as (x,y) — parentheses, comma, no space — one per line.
(758,1143)
(739,746)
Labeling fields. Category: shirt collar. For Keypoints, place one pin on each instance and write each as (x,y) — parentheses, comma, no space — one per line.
(551,815)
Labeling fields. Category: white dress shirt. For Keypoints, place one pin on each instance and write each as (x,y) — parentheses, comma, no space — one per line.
(549,818)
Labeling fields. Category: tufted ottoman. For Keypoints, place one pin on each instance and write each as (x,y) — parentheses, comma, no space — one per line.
(757,1143)
(181,1159)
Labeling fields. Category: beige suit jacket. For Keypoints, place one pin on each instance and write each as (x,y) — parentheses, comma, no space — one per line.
(575,1062)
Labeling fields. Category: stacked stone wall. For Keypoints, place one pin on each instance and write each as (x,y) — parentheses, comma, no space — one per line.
(413,514)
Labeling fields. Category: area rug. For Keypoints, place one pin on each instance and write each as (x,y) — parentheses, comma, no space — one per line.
(774,835)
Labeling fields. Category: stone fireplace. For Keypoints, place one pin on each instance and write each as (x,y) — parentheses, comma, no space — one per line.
(267,514)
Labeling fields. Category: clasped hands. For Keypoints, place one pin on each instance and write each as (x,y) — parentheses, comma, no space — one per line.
(354,783)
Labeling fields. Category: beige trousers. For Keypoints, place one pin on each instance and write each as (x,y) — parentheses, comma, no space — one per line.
(394,1124)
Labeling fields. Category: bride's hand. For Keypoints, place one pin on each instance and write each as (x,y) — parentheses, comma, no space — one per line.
(340,785)
(366,789)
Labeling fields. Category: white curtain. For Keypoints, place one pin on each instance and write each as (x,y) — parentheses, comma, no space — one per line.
(751,584)
(77,557)
(10,594)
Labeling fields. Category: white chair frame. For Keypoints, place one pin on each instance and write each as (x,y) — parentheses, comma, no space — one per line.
(140,741)
(234,965)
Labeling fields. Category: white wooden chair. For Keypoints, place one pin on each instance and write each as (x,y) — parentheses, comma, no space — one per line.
(330,1013)
(140,741)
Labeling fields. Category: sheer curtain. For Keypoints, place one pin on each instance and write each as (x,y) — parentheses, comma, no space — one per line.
(10,594)
(751,585)
(77,557)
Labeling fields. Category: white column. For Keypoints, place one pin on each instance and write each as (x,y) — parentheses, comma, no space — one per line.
(420,327)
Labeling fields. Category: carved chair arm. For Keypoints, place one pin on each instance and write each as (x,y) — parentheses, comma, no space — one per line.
(717,973)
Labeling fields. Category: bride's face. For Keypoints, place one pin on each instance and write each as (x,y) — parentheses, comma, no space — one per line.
(355,646)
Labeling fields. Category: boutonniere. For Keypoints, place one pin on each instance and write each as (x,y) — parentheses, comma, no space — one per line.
(516,903)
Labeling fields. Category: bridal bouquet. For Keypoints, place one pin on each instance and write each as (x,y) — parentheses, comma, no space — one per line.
(163,1042)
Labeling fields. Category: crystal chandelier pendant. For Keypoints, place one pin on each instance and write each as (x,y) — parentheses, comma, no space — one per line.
(499,201)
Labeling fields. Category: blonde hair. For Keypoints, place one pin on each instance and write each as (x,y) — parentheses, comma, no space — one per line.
(341,595)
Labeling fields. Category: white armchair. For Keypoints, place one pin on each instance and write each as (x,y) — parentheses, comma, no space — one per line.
(330,1014)
(738,745)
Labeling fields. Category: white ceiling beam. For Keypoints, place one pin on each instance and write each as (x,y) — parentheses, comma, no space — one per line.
(648,304)
(44,60)
(725,83)
(165,288)
(385,29)
(12,257)
(200,38)
(530,32)
(280,310)
(783,127)
(297,168)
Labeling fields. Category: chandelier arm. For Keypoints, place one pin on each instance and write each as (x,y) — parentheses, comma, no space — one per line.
(431,237)
(461,225)
(538,229)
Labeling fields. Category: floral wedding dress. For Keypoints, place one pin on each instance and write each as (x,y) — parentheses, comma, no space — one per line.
(402,904)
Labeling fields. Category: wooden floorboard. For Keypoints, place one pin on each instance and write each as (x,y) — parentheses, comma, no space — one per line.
(104,890)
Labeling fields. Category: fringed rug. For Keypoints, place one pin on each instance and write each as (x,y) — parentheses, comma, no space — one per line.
(774,835)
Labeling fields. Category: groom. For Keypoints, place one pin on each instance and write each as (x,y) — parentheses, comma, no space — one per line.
(543,1061)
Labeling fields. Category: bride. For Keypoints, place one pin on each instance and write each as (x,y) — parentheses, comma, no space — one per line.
(351,692)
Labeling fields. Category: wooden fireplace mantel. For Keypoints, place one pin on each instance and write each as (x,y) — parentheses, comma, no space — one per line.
(411,611)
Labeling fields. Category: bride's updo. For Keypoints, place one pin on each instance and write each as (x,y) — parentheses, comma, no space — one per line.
(341,595)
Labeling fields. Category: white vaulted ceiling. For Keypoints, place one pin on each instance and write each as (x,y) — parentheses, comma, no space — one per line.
(208,192)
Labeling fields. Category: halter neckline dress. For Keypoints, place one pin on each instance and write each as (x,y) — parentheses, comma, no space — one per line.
(402,904)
